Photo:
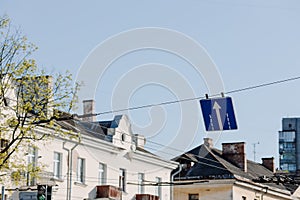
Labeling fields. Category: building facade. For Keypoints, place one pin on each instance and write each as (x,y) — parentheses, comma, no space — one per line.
(289,145)
(207,173)
(80,159)
(107,162)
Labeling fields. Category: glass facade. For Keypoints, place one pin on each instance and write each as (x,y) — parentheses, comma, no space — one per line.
(287,150)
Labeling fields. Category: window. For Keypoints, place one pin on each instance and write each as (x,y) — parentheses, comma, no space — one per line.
(123,137)
(80,170)
(284,167)
(292,167)
(102,174)
(57,165)
(193,196)
(287,136)
(244,198)
(287,147)
(141,188)
(122,180)
(158,187)
(32,164)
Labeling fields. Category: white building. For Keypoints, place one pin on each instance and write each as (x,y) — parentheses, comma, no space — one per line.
(109,162)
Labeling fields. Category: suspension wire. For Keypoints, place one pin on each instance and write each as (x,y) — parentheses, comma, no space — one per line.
(193,98)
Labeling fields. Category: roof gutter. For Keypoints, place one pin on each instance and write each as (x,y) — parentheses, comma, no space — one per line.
(265,189)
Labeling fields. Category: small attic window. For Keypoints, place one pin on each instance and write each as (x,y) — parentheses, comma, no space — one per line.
(123,137)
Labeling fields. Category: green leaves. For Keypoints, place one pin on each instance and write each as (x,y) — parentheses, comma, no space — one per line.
(30,100)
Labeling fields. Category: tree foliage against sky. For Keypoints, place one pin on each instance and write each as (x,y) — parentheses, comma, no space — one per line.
(30,100)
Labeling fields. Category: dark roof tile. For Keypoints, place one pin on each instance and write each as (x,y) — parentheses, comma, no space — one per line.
(209,163)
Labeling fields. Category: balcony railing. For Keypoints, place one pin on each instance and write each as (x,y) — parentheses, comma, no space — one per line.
(108,191)
(146,197)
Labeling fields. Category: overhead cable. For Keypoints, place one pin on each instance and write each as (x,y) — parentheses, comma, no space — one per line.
(192,98)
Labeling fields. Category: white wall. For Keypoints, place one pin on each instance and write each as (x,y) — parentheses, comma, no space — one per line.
(94,151)
(128,160)
(207,191)
(259,192)
(229,190)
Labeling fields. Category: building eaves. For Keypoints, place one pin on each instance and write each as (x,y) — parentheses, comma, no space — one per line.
(144,151)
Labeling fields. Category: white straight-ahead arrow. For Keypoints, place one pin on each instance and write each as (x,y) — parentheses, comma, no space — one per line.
(217,108)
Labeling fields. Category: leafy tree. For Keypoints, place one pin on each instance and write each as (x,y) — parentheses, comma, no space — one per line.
(30,100)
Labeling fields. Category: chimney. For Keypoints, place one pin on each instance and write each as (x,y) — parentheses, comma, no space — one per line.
(139,140)
(235,153)
(269,163)
(89,109)
(208,142)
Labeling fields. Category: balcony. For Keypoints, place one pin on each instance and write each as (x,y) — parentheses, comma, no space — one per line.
(146,197)
(108,192)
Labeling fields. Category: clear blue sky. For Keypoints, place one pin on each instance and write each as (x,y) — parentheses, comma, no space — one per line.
(251,42)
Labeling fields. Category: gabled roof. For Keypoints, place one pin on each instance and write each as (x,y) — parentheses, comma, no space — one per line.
(96,129)
(84,128)
(210,164)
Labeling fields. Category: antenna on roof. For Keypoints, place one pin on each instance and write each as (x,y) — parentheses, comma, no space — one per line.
(254,150)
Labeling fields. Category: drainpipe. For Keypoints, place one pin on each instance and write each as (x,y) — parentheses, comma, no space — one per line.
(70,168)
(262,196)
(172,180)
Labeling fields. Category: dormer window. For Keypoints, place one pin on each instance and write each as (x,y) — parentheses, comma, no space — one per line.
(123,137)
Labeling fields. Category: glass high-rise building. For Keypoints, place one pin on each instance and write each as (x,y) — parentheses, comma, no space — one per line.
(289,145)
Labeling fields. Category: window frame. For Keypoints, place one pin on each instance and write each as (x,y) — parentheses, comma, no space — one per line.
(80,172)
(158,189)
(101,174)
(57,165)
(32,156)
(122,179)
(193,196)
(141,187)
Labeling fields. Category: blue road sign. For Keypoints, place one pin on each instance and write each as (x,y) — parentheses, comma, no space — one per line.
(218,114)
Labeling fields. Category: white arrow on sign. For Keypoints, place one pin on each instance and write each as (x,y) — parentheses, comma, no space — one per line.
(217,108)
